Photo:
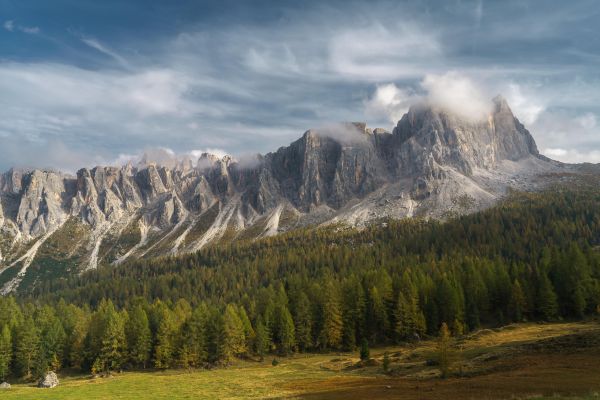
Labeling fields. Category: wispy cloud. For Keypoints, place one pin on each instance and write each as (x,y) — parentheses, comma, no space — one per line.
(12,27)
(95,44)
(9,26)
(246,87)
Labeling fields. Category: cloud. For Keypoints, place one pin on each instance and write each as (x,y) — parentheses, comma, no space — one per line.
(458,94)
(379,53)
(246,86)
(572,155)
(95,44)
(587,121)
(9,26)
(390,101)
(525,106)
(32,30)
(12,27)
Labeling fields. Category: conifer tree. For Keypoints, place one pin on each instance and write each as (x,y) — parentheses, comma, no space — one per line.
(331,334)
(27,342)
(248,330)
(287,340)
(192,351)
(112,342)
(261,340)
(234,341)
(546,300)
(5,351)
(518,303)
(303,322)
(139,336)
(164,351)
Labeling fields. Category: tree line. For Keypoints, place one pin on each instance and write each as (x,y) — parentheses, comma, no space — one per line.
(530,258)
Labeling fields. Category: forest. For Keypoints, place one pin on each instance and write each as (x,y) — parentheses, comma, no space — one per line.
(534,257)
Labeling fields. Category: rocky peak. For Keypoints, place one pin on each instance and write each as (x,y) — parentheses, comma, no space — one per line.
(433,134)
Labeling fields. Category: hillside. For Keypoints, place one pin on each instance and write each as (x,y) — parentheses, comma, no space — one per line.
(433,164)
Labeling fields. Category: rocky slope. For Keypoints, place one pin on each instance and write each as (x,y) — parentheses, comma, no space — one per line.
(433,164)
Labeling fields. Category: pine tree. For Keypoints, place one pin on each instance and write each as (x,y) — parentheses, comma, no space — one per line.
(139,336)
(546,301)
(378,321)
(113,342)
(331,334)
(287,339)
(518,303)
(52,341)
(192,351)
(164,351)
(27,349)
(5,351)
(303,323)
(234,341)
(261,340)
(248,330)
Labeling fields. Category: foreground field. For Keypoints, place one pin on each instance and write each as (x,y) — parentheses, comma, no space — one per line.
(517,361)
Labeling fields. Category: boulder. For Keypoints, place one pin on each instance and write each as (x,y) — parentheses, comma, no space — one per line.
(50,380)
(4,385)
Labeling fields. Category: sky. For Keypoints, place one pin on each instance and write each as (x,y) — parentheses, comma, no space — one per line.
(87,82)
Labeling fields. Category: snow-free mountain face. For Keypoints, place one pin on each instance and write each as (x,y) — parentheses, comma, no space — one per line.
(433,164)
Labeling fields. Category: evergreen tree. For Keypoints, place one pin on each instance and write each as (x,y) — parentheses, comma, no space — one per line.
(518,303)
(234,341)
(52,340)
(546,300)
(164,350)
(27,349)
(331,333)
(5,351)
(248,330)
(113,341)
(303,323)
(286,332)
(192,351)
(139,336)
(261,340)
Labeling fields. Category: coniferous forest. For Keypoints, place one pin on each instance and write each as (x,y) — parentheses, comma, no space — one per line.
(534,257)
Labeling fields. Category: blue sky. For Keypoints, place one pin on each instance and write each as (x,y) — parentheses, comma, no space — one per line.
(97,82)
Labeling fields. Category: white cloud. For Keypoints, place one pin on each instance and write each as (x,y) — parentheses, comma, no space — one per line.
(458,94)
(95,44)
(195,154)
(9,26)
(379,53)
(587,121)
(389,101)
(526,107)
(32,30)
(572,155)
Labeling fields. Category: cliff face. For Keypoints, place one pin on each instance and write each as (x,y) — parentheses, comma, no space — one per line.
(432,164)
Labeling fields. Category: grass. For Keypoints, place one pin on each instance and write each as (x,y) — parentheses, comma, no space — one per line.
(525,361)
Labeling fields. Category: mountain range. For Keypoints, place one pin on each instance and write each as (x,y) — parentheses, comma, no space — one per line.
(434,164)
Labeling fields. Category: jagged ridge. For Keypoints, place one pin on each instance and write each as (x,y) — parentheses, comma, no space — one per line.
(432,164)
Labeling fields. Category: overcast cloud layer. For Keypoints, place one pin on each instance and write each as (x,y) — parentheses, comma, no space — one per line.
(88,82)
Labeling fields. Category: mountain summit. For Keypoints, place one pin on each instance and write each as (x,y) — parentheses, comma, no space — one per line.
(433,164)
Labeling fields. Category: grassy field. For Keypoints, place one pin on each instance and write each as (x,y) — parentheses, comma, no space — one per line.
(528,361)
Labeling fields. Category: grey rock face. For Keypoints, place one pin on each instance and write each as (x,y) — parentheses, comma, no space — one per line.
(50,380)
(4,385)
(346,173)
